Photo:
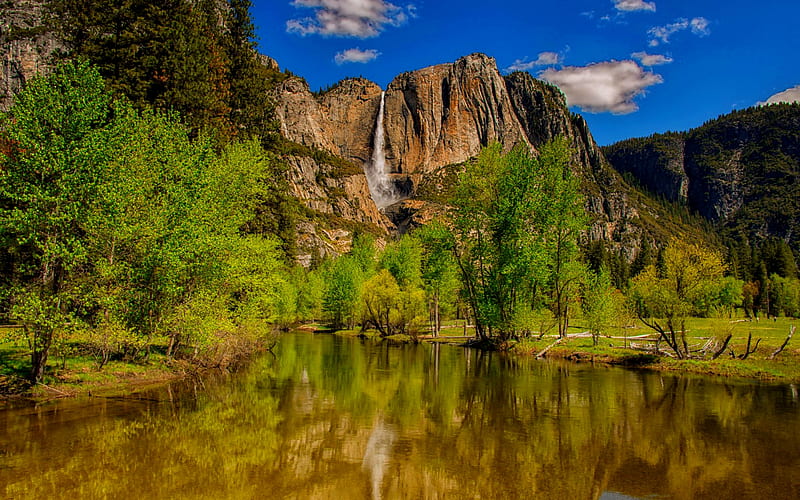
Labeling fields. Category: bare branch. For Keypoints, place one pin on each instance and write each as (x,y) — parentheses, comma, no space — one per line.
(724,346)
(785,342)
(747,351)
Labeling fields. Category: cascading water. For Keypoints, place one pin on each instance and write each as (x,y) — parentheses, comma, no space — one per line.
(380,184)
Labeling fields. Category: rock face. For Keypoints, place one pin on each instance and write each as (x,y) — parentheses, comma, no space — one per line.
(445,114)
(26,47)
(340,121)
(658,164)
(329,190)
(542,110)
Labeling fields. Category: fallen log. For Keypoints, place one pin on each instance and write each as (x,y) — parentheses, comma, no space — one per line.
(544,351)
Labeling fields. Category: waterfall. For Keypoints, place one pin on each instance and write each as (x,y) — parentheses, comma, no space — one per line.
(380,184)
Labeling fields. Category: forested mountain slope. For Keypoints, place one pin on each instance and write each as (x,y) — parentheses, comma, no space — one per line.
(740,171)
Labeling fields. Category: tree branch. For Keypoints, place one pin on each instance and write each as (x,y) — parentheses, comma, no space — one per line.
(785,342)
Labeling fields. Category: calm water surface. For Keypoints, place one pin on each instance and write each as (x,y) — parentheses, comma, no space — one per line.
(329,417)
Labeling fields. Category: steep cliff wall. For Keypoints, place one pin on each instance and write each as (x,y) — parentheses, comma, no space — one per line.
(445,114)
(658,164)
(26,46)
(339,123)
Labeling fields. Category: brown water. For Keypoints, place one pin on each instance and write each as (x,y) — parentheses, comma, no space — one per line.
(330,417)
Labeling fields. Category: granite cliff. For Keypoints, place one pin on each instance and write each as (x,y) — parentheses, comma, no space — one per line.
(436,119)
(26,46)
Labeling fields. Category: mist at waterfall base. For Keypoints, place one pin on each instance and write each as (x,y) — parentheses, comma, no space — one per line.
(381,186)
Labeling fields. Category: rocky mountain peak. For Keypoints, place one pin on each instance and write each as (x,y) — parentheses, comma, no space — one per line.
(445,114)
(438,117)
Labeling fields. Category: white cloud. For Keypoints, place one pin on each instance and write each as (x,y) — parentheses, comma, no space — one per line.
(661,34)
(651,59)
(700,26)
(633,5)
(350,18)
(606,86)
(788,95)
(356,56)
(544,59)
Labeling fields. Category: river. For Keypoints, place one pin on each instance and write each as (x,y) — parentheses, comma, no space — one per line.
(332,417)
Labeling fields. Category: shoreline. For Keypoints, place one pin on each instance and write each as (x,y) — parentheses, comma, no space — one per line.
(783,370)
(120,382)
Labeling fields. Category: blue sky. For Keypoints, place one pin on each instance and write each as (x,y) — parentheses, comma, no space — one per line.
(630,67)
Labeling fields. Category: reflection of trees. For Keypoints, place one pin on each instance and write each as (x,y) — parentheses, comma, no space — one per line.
(166,451)
(445,420)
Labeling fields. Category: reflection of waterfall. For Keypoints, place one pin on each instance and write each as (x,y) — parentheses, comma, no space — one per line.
(380,185)
(377,454)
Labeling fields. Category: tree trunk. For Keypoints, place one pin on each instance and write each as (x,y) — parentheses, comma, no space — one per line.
(437,326)
(39,354)
(174,342)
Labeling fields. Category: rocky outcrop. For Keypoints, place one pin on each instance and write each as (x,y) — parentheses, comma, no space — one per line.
(445,114)
(339,121)
(542,111)
(325,189)
(26,46)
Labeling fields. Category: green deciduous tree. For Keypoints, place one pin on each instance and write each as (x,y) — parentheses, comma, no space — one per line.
(786,295)
(62,138)
(341,297)
(516,220)
(380,294)
(559,219)
(664,298)
(124,224)
(439,269)
(403,259)
(390,308)
(599,302)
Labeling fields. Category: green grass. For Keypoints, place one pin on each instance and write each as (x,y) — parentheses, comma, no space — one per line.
(772,333)
(77,372)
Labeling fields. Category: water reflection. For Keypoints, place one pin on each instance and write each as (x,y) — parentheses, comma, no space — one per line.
(378,454)
(339,418)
